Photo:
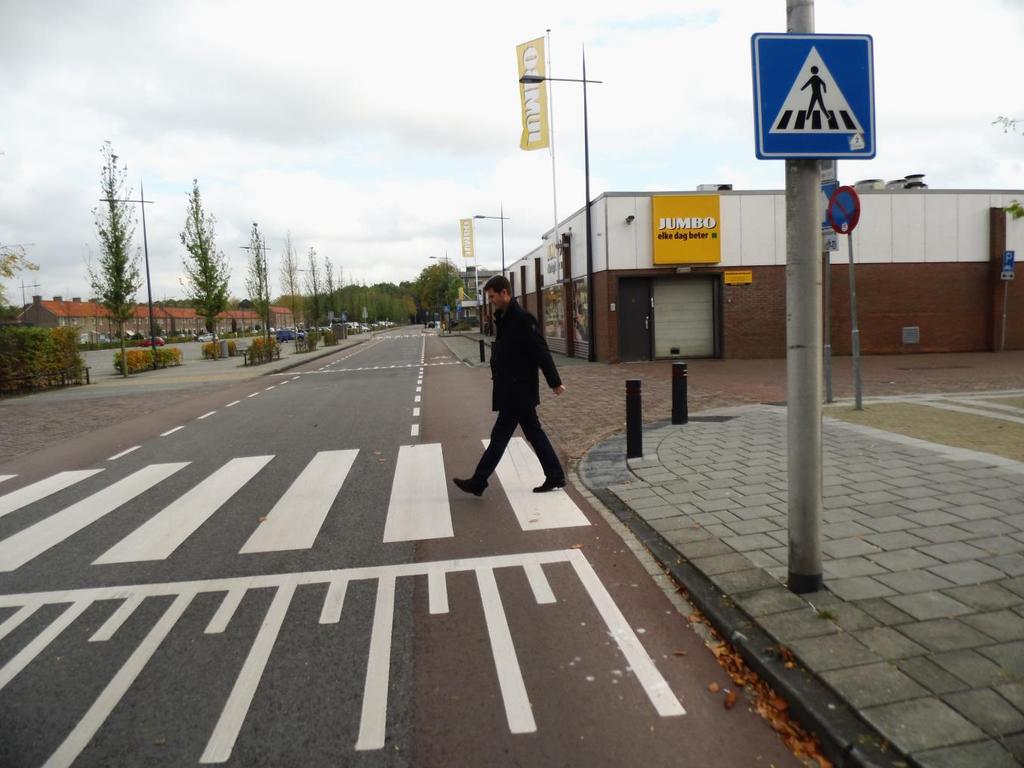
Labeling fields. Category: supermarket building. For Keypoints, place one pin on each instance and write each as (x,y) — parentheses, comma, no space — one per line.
(681,275)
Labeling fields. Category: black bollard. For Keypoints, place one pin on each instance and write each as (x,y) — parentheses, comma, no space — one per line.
(634,420)
(680,409)
(481,350)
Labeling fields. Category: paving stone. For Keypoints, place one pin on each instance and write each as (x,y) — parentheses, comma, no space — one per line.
(904,560)
(725,517)
(704,548)
(978,754)
(683,535)
(873,684)
(1003,626)
(986,527)
(971,667)
(666,524)
(896,540)
(761,558)
(754,513)
(928,605)
(941,534)
(845,530)
(1011,565)
(884,509)
(910,582)
(975,511)
(800,623)
(744,527)
(988,710)
(841,515)
(1015,585)
(851,566)
(1009,656)
(953,551)
(850,617)
(658,513)
(924,504)
(911,492)
(735,582)
(931,675)
(875,497)
(765,602)
(832,652)
(850,547)
(754,541)
(999,545)
(860,588)
(719,530)
(967,572)
(722,563)
(944,635)
(1015,744)
(933,518)
(985,597)
(887,524)
(889,643)
(921,724)
(1013,693)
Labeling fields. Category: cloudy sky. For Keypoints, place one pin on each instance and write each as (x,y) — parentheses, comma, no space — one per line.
(368,129)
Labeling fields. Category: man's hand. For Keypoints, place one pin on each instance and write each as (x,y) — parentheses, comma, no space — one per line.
(559,389)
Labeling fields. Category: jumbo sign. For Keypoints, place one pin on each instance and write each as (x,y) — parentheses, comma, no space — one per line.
(686,229)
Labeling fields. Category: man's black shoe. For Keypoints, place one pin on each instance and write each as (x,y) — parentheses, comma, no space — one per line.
(469,486)
(549,485)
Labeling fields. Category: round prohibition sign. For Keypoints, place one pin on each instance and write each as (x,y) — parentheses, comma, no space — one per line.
(844,210)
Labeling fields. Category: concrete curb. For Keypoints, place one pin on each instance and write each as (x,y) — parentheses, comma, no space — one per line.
(845,738)
(305,360)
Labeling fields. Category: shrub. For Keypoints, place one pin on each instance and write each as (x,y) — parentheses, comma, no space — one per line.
(260,351)
(211,350)
(312,339)
(330,339)
(32,352)
(142,359)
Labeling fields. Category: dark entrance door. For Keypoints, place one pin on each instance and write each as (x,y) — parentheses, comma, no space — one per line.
(634,320)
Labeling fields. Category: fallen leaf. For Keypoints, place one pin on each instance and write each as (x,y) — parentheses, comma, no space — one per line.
(576,546)
(694,618)
(678,653)
(713,688)
(730,699)
(261,518)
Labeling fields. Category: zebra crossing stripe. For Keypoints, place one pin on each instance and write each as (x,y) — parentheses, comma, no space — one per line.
(373,720)
(519,471)
(6,477)
(22,497)
(158,537)
(226,610)
(296,519)
(25,656)
(419,508)
(16,619)
(18,549)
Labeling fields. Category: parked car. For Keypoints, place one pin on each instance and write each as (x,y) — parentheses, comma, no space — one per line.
(205,337)
(286,334)
(157,341)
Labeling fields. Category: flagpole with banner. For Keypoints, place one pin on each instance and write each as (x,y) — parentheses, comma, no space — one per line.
(469,252)
(551,127)
(533,96)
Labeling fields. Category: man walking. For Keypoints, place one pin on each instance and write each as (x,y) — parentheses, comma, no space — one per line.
(516,354)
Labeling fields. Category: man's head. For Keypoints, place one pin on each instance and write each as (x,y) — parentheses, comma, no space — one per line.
(499,292)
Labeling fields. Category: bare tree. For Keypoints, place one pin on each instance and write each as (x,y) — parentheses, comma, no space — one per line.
(314,288)
(330,288)
(117,277)
(257,282)
(290,286)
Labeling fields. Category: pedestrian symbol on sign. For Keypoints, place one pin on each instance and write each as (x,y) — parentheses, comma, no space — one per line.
(798,115)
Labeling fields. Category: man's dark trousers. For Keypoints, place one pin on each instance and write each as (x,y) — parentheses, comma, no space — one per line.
(504,427)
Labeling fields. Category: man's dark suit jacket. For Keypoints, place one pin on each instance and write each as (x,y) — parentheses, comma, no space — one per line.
(518,351)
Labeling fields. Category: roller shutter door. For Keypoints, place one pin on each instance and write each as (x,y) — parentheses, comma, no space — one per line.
(684,318)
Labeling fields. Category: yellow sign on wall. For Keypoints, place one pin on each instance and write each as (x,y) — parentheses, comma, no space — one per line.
(739,277)
(686,229)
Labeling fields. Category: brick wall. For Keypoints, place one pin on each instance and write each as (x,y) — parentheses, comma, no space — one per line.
(754,315)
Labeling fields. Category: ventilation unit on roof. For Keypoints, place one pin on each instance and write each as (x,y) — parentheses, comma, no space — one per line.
(714,187)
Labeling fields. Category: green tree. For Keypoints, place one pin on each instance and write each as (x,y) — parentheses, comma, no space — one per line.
(205,267)
(116,280)
(257,281)
(438,285)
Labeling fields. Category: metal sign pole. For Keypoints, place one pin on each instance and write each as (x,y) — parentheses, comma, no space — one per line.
(1002,340)
(855,333)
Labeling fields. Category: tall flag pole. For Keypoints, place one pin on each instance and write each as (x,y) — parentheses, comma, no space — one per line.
(551,126)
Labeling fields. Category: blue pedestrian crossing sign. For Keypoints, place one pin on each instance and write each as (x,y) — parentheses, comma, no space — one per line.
(814,96)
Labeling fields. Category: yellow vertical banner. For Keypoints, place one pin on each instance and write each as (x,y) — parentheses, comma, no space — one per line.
(533,96)
(466,237)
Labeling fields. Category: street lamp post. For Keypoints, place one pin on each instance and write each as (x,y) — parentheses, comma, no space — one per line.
(502,218)
(145,249)
(528,79)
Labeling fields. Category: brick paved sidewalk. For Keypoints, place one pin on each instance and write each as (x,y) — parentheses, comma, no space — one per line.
(921,626)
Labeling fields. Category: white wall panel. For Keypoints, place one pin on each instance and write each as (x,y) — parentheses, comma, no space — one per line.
(623,238)
(731,227)
(940,228)
(872,242)
(757,220)
(973,229)
(908,229)
(779,257)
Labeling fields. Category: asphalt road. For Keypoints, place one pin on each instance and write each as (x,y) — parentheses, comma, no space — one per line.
(279,572)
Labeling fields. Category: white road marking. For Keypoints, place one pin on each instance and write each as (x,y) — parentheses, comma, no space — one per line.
(14,621)
(437,589)
(159,536)
(225,611)
(206,415)
(539,584)
(6,477)
(415,430)
(973,411)
(40,490)
(297,517)
(171,431)
(272,386)
(18,549)
(218,749)
(419,389)
(92,720)
(506,664)
(519,471)
(287,381)
(418,508)
(117,618)
(25,656)
(373,720)
(235,402)
(415,411)
(661,696)
(295,378)
(333,602)
(253,394)
(416,399)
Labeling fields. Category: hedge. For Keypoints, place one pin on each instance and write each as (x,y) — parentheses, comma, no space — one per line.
(27,354)
(260,352)
(330,339)
(142,359)
(211,350)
